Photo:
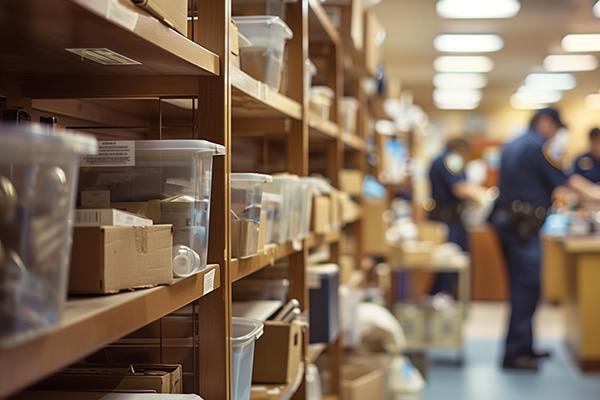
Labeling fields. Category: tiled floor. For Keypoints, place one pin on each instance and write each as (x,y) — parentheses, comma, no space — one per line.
(480,378)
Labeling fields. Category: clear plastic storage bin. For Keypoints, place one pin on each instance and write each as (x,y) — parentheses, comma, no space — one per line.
(38,174)
(294,222)
(170,183)
(246,208)
(321,100)
(350,112)
(263,59)
(245,332)
(271,204)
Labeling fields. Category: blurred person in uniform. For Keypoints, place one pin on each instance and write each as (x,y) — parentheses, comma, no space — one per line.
(530,179)
(449,192)
(588,165)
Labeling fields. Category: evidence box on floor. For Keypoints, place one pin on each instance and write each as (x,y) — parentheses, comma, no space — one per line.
(278,353)
(109,259)
(359,383)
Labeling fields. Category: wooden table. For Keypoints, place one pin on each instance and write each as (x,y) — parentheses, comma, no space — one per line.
(582,298)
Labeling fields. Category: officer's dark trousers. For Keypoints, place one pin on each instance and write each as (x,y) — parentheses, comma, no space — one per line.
(523,265)
(445,281)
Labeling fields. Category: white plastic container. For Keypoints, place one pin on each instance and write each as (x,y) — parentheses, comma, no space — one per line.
(310,71)
(350,114)
(281,218)
(263,60)
(170,183)
(246,208)
(321,100)
(245,332)
(38,174)
(271,204)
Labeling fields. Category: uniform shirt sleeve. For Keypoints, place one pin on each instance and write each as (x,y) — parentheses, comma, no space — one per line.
(549,172)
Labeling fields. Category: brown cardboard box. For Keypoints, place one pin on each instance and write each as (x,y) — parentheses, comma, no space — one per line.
(109,259)
(412,254)
(277,353)
(172,12)
(351,181)
(119,377)
(372,46)
(335,213)
(374,226)
(433,231)
(359,383)
(347,17)
(244,237)
(347,264)
(381,361)
(321,214)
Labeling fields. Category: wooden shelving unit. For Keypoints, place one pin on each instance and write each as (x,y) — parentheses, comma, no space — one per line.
(230,106)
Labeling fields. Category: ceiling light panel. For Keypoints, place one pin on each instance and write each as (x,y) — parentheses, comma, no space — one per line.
(457,106)
(581,42)
(459,81)
(479,64)
(569,62)
(468,43)
(596,9)
(517,103)
(456,96)
(527,94)
(552,81)
(477,8)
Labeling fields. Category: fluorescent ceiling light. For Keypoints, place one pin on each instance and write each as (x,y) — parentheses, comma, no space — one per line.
(526,94)
(592,101)
(581,42)
(459,81)
(457,106)
(596,9)
(552,81)
(477,8)
(468,43)
(463,64)
(517,103)
(456,96)
(568,62)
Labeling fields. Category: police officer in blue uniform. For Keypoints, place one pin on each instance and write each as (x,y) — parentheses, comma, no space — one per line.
(529,179)
(449,191)
(588,165)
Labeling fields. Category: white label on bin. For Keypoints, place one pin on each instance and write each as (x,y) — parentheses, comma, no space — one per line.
(209,282)
(111,154)
(95,198)
(103,56)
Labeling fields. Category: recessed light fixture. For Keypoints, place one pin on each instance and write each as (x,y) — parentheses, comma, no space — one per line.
(592,101)
(468,43)
(581,42)
(457,96)
(596,9)
(459,81)
(457,106)
(551,81)
(463,64)
(478,8)
(570,62)
(527,94)
(517,103)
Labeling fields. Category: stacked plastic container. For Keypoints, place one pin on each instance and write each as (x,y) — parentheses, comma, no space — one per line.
(38,174)
(245,332)
(321,100)
(246,213)
(271,204)
(263,58)
(170,183)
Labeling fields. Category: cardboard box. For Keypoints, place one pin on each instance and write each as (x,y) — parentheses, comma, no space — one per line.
(347,264)
(359,383)
(381,361)
(335,212)
(374,226)
(321,214)
(433,231)
(277,354)
(412,254)
(111,377)
(351,181)
(109,259)
(347,17)
(172,12)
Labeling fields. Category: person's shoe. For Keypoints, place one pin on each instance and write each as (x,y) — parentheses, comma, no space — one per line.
(521,363)
(541,354)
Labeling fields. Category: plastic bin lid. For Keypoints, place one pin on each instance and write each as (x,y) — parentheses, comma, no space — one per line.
(245,330)
(251,177)
(263,21)
(322,90)
(323,269)
(30,134)
(180,145)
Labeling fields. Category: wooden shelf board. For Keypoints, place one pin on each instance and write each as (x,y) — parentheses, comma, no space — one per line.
(92,322)
(35,34)
(315,240)
(581,244)
(240,268)
(322,128)
(354,142)
(279,391)
(320,26)
(253,99)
